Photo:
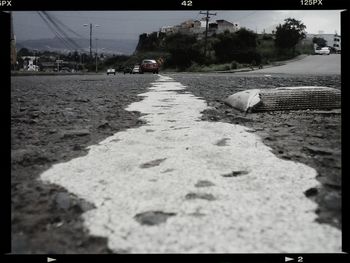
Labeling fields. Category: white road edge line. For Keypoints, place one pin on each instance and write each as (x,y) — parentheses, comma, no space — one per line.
(156,167)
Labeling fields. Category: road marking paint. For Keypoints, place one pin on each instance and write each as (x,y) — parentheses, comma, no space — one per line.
(256,202)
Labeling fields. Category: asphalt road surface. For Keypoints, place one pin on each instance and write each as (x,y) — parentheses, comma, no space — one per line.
(314,64)
(158,163)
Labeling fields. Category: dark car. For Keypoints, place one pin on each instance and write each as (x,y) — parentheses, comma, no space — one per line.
(149,65)
(127,70)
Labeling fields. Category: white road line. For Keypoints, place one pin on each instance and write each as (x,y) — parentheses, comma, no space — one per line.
(250,200)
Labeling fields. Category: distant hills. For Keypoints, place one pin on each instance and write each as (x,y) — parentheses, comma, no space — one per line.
(111,46)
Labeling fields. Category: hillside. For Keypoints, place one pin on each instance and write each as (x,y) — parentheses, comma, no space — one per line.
(111,46)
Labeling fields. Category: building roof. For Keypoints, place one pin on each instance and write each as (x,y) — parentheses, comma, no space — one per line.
(222,21)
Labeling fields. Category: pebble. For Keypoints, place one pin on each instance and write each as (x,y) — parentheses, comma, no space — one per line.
(72,133)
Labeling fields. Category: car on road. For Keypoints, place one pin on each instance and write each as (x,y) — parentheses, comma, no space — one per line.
(65,70)
(111,71)
(127,69)
(149,65)
(136,69)
(323,51)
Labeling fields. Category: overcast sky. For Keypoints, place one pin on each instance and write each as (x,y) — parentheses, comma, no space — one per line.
(130,24)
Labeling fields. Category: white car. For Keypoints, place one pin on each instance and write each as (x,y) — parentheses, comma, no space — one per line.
(136,69)
(111,71)
(323,51)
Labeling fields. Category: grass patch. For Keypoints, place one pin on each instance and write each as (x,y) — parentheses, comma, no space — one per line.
(213,67)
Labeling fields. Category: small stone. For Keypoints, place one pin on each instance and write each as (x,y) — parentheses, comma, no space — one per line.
(311,192)
(152,218)
(59,224)
(77,147)
(318,135)
(318,150)
(63,200)
(81,100)
(235,174)
(332,201)
(204,183)
(167,170)
(222,142)
(204,196)
(152,163)
(104,125)
(72,133)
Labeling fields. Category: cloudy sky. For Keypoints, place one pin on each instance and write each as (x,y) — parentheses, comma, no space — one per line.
(130,24)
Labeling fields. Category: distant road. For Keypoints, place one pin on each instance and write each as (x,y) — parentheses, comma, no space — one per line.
(314,64)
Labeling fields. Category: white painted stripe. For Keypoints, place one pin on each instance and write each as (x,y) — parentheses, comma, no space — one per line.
(154,167)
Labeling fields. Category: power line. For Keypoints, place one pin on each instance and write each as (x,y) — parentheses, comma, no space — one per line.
(61,31)
(63,25)
(54,26)
(53,30)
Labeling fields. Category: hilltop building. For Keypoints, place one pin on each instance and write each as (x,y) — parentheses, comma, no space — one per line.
(197,27)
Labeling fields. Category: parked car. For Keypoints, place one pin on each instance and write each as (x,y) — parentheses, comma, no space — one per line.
(127,69)
(136,69)
(149,65)
(65,70)
(111,71)
(323,51)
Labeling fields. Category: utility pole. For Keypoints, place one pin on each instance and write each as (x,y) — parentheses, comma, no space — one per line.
(96,57)
(206,28)
(90,40)
(91,37)
(13,45)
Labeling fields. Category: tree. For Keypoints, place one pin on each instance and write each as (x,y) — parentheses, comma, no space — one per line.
(76,56)
(183,49)
(239,46)
(246,38)
(319,41)
(24,52)
(289,34)
(225,46)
